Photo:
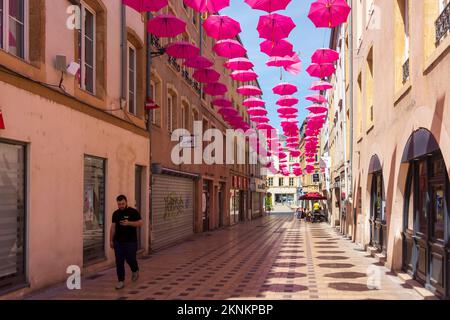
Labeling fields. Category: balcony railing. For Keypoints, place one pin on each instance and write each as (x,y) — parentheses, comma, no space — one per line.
(406,71)
(443,24)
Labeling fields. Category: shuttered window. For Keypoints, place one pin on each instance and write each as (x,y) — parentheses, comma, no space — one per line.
(12,214)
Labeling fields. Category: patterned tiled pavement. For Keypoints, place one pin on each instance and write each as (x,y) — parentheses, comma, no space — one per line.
(276,257)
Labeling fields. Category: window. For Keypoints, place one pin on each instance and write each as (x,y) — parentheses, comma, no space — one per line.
(86,43)
(369,87)
(270,182)
(280,182)
(93,209)
(169,113)
(13,27)
(131,79)
(291,182)
(12,213)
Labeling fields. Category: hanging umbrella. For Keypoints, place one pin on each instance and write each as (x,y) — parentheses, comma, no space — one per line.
(322,70)
(229,49)
(325,56)
(278,48)
(215,89)
(210,6)
(146,5)
(254,102)
(284,89)
(264,126)
(239,64)
(206,75)
(221,27)
(227,111)
(287,101)
(316,98)
(275,26)
(316,108)
(198,62)
(222,102)
(249,91)
(321,86)
(296,67)
(244,76)
(287,110)
(166,25)
(292,139)
(329,13)
(182,50)
(295,153)
(268,5)
(280,62)
(257,111)
(260,119)
(288,115)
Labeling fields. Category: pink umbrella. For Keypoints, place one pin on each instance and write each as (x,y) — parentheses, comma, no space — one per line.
(329,13)
(257,111)
(292,139)
(321,86)
(316,108)
(222,102)
(244,76)
(166,25)
(287,101)
(260,119)
(268,5)
(206,75)
(229,49)
(278,48)
(316,98)
(182,50)
(227,111)
(215,89)
(198,62)
(287,110)
(239,64)
(249,91)
(288,115)
(282,155)
(280,62)
(210,6)
(146,5)
(295,153)
(322,70)
(275,26)
(254,102)
(325,56)
(264,126)
(221,27)
(284,89)
(296,67)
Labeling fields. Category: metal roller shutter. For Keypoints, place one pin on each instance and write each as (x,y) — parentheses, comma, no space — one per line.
(256,204)
(172,209)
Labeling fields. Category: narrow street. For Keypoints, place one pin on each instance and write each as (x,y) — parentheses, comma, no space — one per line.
(276,257)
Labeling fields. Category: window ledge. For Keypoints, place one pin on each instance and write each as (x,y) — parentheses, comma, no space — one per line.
(402,92)
(437,53)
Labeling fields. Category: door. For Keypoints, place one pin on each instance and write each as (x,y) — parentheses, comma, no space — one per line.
(138,172)
(206,204)
(221,202)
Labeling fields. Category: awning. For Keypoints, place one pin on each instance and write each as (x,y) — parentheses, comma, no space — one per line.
(374,165)
(419,144)
(313,196)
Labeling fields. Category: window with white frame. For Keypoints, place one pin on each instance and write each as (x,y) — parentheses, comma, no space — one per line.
(291,182)
(131,79)
(270,182)
(86,47)
(14,27)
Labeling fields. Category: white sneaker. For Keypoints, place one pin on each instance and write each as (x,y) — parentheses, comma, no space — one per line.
(135,276)
(120,285)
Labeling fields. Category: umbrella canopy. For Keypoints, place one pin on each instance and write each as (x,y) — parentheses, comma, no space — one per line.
(288,115)
(166,25)
(292,139)
(206,75)
(244,76)
(284,89)
(229,49)
(222,102)
(146,5)
(313,196)
(296,67)
(257,111)
(295,153)
(268,5)
(321,86)
(287,101)
(316,98)
(329,13)
(275,26)
(260,119)
(322,70)
(264,126)
(254,102)
(227,111)
(210,6)
(239,64)
(278,48)
(325,55)
(182,50)
(316,109)
(280,62)
(221,27)
(249,91)
(215,89)
(287,110)
(198,62)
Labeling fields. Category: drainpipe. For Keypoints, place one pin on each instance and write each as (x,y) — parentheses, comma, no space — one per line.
(351,118)
(149,96)
(123,54)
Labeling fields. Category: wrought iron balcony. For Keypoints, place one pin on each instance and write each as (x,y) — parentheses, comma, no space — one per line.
(443,24)
(406,71)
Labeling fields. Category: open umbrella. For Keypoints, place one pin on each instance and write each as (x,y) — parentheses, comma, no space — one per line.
(260,119)
(288,115)
(268,5)
(329,13)
(215,89)
(280,62)
(146,5)
(321,86)
(325,55)
(166,25)
(257,111)
(264,126)
(221,27)
(244,76)
(239,64)
(284,89)
(287,101)
(222,102)
(249,91)
(322,70)
(229,48)
(182,50)
(254,102)
(198,62)
(287,110)
(210,6)
(206,75)
(316,109)
(227,111)
(278,48)
(275,26)
(316,98)
(295,153)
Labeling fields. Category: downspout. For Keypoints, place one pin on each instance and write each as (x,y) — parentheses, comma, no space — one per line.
(351,122)
(123,55)
(149,96)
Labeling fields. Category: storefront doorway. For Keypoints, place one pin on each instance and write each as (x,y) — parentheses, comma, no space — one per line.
(377,220)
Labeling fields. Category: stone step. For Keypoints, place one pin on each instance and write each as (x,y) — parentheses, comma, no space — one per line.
(425,293)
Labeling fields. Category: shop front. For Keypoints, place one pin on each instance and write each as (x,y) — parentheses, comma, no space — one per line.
(238,199)
(258,192)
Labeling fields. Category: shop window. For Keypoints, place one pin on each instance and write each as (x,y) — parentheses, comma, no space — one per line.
(14,27)
(132,79)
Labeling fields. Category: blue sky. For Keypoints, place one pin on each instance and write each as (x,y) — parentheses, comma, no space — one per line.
(306,38)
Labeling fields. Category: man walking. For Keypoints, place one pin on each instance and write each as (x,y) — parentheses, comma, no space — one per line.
(123,239)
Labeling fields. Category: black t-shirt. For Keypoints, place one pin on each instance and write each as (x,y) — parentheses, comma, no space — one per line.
(125,234)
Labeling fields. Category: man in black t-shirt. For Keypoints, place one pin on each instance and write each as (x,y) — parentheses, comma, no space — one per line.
(123,239)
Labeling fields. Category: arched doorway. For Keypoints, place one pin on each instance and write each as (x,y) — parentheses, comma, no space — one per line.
(377,220)
(426,252)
